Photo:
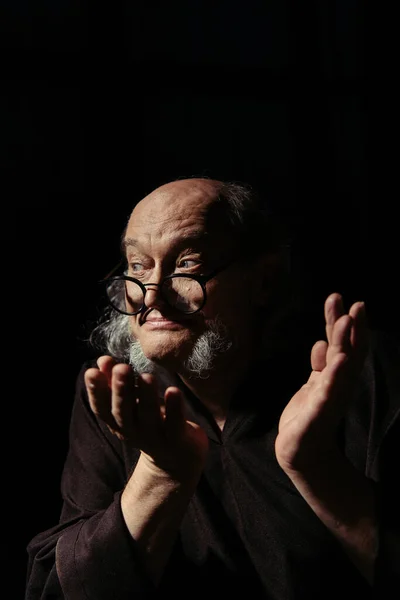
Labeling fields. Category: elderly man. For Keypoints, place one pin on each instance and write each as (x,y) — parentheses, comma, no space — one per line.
(214,450)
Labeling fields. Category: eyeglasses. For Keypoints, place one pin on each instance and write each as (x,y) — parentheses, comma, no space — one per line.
(184,293)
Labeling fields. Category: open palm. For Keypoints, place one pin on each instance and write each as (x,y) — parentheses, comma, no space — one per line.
(309,422)
(133,411)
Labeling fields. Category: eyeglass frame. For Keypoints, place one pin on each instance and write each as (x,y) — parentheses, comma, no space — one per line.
(201,279)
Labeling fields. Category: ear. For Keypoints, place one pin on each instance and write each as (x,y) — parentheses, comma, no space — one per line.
(268,270)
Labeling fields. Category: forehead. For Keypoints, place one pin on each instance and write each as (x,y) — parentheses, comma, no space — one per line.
(179,211)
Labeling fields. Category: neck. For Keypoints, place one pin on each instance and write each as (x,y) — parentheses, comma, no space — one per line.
(217,390)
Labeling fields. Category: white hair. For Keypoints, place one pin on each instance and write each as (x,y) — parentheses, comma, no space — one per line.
(113,336)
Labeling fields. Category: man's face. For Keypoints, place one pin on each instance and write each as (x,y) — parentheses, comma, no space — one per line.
(177,229)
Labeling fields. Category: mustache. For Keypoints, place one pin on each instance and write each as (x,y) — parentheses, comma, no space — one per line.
(169,314)
(209,345)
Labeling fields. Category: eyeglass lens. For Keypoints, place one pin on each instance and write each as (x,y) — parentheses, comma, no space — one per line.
(182,293)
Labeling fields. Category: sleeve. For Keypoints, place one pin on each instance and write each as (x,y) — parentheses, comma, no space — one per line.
(89,554)
(387,574)
(385,466)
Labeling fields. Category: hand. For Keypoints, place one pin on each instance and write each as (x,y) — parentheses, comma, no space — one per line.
(132,410)
(309,422)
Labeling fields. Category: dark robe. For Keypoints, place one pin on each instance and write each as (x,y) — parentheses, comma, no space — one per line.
(247,531)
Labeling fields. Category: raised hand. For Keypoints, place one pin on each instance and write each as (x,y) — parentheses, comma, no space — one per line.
(309,422)
(133,410)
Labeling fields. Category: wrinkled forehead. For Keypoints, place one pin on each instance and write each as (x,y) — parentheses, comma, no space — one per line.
(178,210)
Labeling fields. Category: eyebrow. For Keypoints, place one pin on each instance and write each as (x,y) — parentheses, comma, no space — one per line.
(193,236)
(129,242)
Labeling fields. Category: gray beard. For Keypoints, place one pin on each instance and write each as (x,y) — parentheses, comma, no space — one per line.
(200,362)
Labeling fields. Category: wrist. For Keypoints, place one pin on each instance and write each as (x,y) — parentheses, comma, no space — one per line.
(179,475)
(334,487)
(315,464)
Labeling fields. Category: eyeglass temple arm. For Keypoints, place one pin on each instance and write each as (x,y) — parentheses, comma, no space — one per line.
(114,269)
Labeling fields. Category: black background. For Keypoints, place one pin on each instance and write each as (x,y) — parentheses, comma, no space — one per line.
(100,107)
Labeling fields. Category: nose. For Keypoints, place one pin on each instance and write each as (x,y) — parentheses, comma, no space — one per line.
(153,298)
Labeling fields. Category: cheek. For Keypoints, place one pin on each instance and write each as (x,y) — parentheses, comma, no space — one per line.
(134,325)
(231,300)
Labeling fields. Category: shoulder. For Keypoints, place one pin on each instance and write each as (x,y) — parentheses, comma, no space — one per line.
(383,379)
(385,344)
(384,357)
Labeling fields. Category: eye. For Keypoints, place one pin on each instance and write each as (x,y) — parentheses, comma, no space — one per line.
(136,268)
(188,263)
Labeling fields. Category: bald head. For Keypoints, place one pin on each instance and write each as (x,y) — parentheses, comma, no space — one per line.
(177,199)
(226,211)
(192,186)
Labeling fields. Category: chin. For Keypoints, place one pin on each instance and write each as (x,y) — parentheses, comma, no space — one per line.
(167,348)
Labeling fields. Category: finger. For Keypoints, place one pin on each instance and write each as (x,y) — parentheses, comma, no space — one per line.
(123,399)
(99,395)
(340,338)
(360,332)
(318,355)
(335,384)
(148,405)
(174,414)
(106,364)
(333,310)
